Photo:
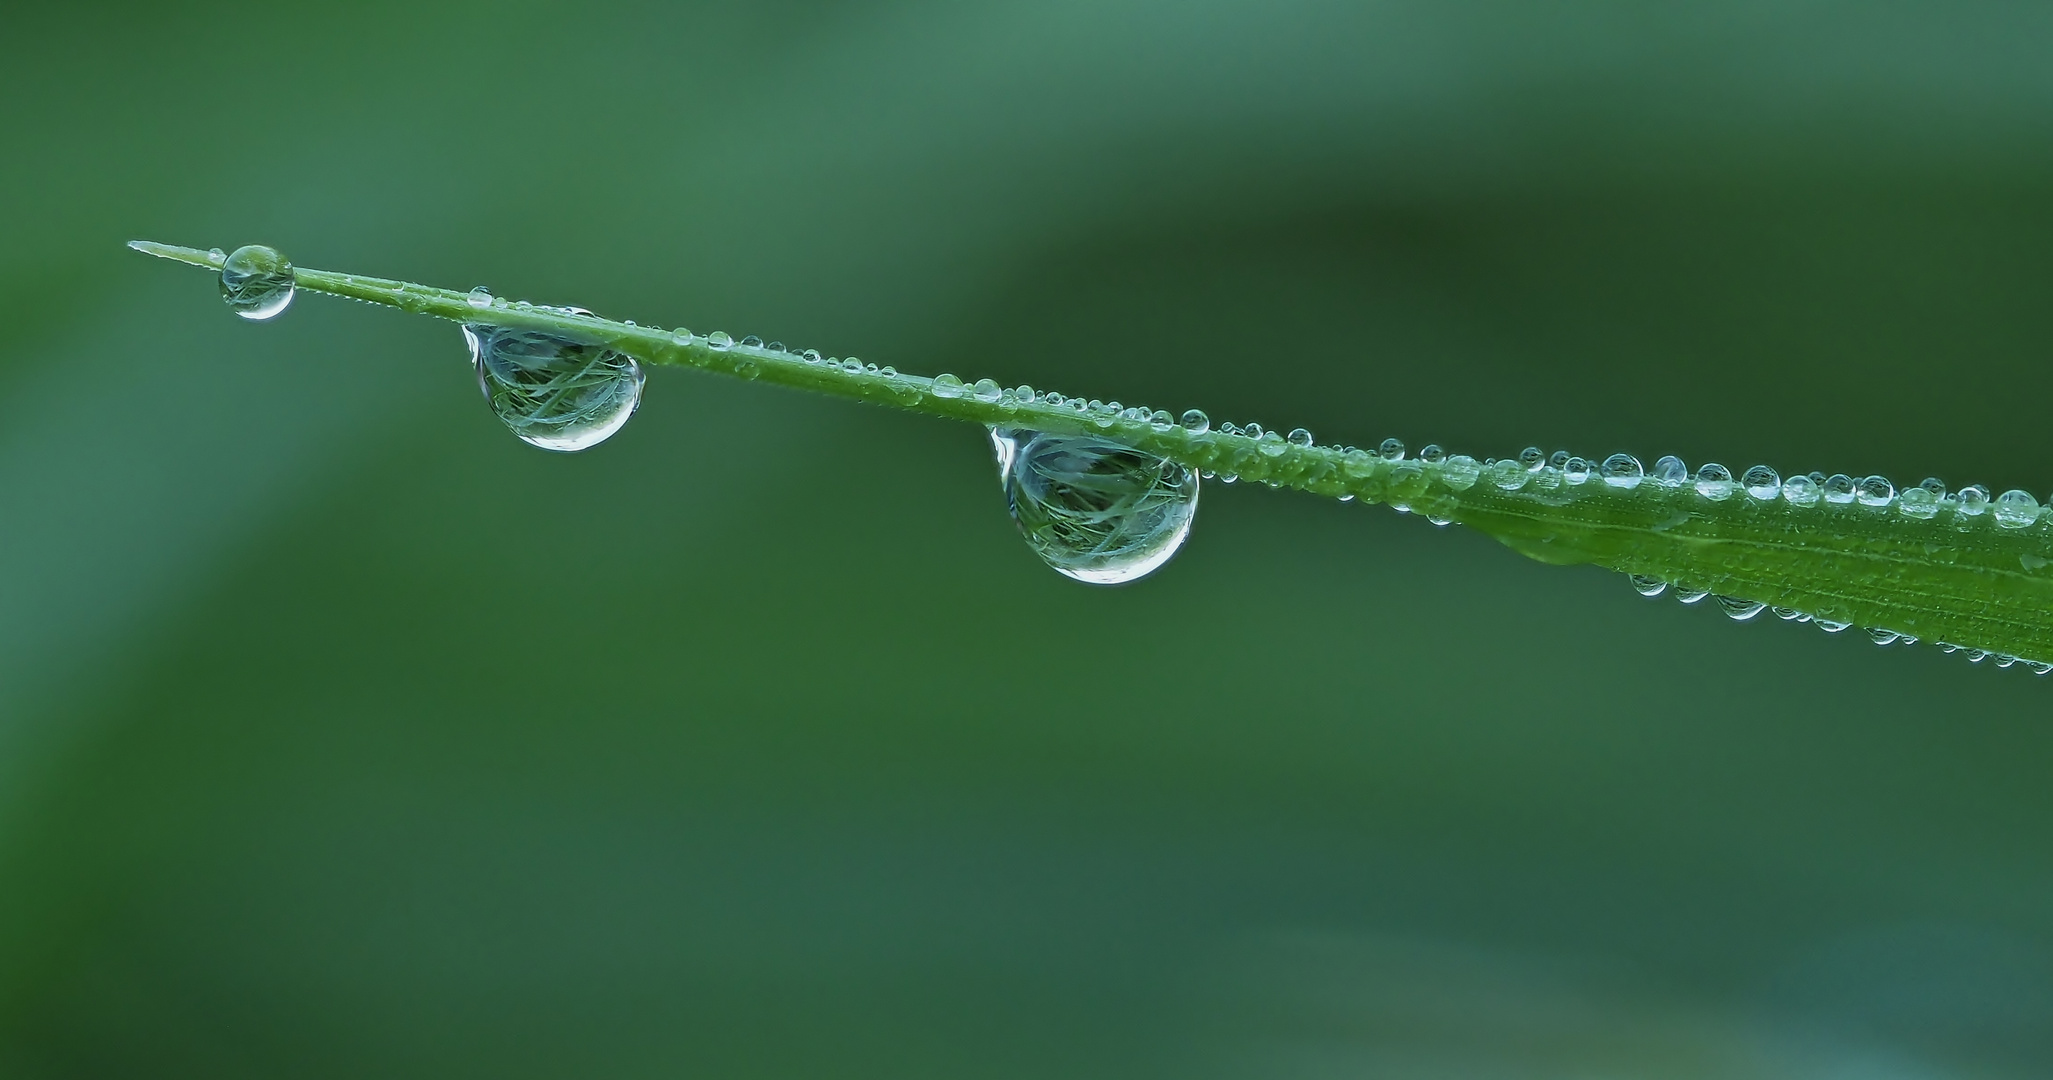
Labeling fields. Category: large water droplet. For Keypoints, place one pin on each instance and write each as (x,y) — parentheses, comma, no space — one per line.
(1762,482)
(1669,472)
(1875,491)
(1714,482)
(551,391)
(2016,509)
(1622,471)
(1096,510)
(1839,488)
(256,282)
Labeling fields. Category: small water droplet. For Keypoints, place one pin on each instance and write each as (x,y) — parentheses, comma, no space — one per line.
(1531,458)
(1558,459)
(1300,437)
(947,386)
(2004,660)
(1093,509)
(719,341)
(1460,472)
(1917,502)
(1875,491)
(256,282)
(1507,474)
(1647,586)
(1160,420)
(775,347)
(1972,501)
(1670,472)
(1271,444)
(752,342)
(1788,614)
(986,390)
(1440,509)
(1839,489)
(479,298)
(1801,490)
(1576,471)
(1253,431)
(217,257)
(1391,450)
(551,391)
(1830,626)
(1976,656)
(2039,667)
(1714,482)
(1196,422)
(1623,471)
(1934,485)
(680,336)
(2016,509)
(1883,637)
(1690,594)
(1762,482)
(1431,454)
(887,371)
(1740,610)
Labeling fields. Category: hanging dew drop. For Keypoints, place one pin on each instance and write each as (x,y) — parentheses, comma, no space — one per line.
(551,391)
(256,282)
(1739,610)
(1647,586)
(1093,509)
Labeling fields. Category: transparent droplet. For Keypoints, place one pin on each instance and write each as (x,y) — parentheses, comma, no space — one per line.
(551,391)
(1830,626)
(1576,470)
(216,256)
(887,371)
(1460,472)
(1875,491)
(1801,490)
(1690,594)
(1431,454)
(751,341)
(1622,471)
(2016,509)
(1196,422)
(1160,420)
(986,390)
(1558,459)
(719,341)
(2039,667)
(1788,614)
(1095,510)
(256,282)
(775,346)
(1839,488)
(1440,510)
(1507,474)
(947,386)
(1762,482)
(1976,656)
(1883,637)
(1300,437)
(1271,444)
(1934,485)
(1714,482)
(1670,472)
(479,298)
(1531,458)
(1740,610)
(680,336)
(1391,450)
(1253,431)
(1972,501)
(1647,586)
(1917,502)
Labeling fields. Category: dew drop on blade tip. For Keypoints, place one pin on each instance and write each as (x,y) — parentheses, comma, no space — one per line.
(257,282)
(551,391)
(1094,509)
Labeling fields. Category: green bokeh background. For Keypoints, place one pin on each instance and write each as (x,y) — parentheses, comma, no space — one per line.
(342,735)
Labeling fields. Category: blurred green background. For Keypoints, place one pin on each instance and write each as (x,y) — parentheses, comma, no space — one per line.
(343,735)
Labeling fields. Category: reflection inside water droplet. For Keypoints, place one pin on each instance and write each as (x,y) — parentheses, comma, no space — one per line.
(553,392)
(1093,509)
(256,282)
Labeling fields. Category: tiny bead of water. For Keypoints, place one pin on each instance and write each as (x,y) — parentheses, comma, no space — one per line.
(1690,594)
(479,298)
(986,390)
(1801,490)
(1762,482)
(1875,491)
(1431,454)
(1669,472)
(1576,470)
(1508,475)
(719,341)
(752,342)
(1934,485)
(1622,471)
(775,346)
(1647,586)
(1460,472)
(1160,420)
(1532,457)
(1196,422)
(1917,502)
(1300,437)
(680,336)
(1740,610)
(1838,488)
(1271,444)
(1714,482)
(947,386)
(1391,450)
(1558,459)
(2016,509)
(1972,500)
